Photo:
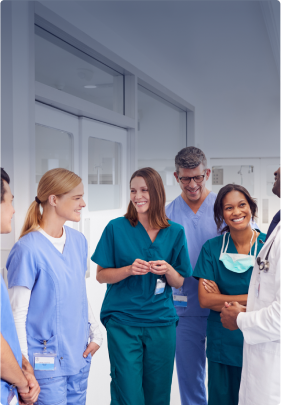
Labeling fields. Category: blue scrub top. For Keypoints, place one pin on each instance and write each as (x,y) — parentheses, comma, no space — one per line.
(199,228)
(224,346)
(58,308)
(9,333)
(132,301)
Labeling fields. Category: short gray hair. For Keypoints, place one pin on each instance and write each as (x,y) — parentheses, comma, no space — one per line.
(190,158)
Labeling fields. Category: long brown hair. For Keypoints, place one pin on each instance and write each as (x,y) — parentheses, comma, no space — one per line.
(156,213)
(54,182)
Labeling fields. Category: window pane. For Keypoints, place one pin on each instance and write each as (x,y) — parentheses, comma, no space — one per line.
(161,135)
(66,68)
(53,149)
(103,174)
(242,175)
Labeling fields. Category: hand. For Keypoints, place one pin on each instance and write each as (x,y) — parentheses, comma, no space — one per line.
(160,267)
(211,287)
(229,314)
(91,348)
(34,389)
(139,268)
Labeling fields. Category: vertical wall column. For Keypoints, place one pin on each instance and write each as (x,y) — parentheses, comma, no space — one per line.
(17,109)
(23,107)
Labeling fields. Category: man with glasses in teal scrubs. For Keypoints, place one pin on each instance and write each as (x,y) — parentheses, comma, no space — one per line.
(194,210)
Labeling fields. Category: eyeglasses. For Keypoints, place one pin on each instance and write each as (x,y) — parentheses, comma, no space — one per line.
(197,179)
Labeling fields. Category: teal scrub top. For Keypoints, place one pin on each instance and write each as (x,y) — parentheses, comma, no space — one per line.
(223,346)
(132,301)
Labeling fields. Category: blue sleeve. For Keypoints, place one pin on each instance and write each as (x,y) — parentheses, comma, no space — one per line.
(21,266)
(181,262)
(204,266)
(104,253)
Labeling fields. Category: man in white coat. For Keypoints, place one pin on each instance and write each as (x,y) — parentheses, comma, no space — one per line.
(260,324)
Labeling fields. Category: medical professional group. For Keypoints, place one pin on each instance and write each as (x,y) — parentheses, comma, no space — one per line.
(153,309)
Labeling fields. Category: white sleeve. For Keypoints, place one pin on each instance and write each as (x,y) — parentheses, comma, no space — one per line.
(263,325)
(95,334)
(19,299)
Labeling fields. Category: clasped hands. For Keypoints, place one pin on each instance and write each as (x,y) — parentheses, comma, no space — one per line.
(141,267)
(29,393)
(230,311)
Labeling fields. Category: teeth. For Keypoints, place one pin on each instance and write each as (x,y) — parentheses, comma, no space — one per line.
(238,220)
(141,203)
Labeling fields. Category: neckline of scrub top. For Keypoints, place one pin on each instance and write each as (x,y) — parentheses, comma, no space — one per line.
(144,232)
(63,254)
(201,209)
(232,244)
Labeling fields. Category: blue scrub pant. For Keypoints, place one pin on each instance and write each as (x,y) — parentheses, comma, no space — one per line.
(191,359)
(66,390)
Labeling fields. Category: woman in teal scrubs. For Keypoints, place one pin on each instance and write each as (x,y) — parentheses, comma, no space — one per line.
(141,256)
(224,269)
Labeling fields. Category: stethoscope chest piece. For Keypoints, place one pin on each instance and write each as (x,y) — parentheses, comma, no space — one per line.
(263,264)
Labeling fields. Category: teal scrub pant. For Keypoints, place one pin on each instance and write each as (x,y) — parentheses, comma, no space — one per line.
(223,384)
(142,361)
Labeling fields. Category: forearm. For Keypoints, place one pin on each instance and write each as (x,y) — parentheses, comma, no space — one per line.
(216,301)
(26,366)
(95,334)
(111,275)
(10,369)
(174,279)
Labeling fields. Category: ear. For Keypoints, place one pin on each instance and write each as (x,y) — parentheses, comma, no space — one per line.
(52,200)
(176,176)
(208,172)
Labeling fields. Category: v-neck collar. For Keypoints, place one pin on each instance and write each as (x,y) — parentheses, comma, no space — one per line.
(62,255)
(233,247)
(146,236)
(201,208)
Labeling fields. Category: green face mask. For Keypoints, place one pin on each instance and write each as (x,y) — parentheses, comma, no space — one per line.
(236,262)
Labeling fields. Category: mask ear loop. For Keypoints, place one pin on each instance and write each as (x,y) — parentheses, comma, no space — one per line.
(227,243)
(222,246)
(256,247)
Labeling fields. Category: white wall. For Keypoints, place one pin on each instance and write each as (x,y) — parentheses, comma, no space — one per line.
(214,54)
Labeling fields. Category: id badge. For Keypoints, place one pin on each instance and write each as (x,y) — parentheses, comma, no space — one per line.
(258,285)
(180,300)
(44,361)
(160,286)
(12,398)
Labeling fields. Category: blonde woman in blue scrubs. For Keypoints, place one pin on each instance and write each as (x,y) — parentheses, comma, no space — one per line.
(141,256)
(224,269)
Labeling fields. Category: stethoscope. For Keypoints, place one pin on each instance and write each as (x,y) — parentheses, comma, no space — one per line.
(264,264)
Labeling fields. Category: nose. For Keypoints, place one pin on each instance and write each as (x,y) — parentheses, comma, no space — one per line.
(83,204)
(236,211)
(138,194)
(192,183)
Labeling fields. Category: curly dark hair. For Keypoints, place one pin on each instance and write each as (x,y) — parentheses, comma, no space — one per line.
(218,206)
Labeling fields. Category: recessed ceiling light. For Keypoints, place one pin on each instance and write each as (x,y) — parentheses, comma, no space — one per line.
(90,86)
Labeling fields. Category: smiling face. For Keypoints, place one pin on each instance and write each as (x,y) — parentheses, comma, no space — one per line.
(276,185)
(236,210)
(7,210)
(69,205)
(139,195)
(193,191)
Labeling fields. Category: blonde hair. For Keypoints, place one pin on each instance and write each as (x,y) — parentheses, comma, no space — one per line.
(54,182)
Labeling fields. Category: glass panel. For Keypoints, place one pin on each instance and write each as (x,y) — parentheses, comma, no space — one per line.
(66,68)
(53,148)
(161,135)
(242,175)
(103,174)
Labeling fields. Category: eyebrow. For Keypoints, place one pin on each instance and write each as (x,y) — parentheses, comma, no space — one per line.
(232,204)
(78,195)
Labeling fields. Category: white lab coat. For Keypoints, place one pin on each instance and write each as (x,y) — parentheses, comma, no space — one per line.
(260,324)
